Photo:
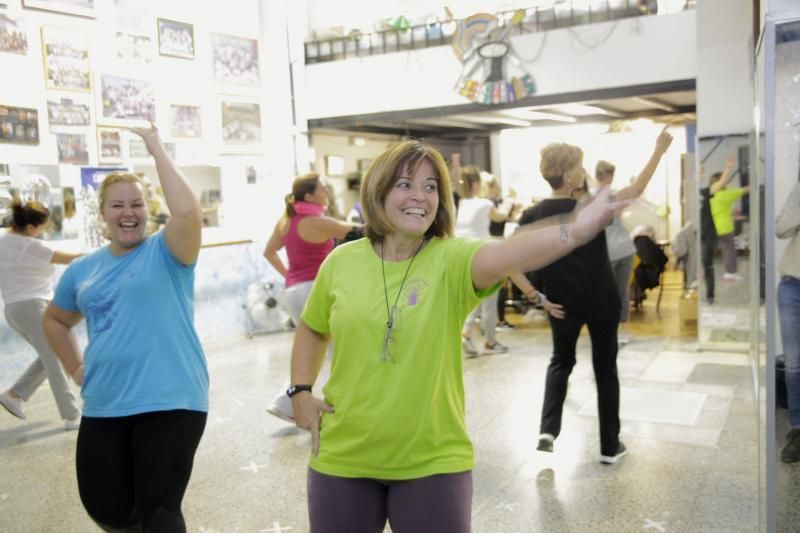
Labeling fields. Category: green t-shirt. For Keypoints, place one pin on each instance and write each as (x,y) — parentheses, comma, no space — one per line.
(402,418)
(721,207)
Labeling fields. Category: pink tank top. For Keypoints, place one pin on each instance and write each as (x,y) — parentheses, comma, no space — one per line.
(304,257)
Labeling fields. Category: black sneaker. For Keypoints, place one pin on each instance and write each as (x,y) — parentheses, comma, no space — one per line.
(545,443)
(611,459)
(791,452)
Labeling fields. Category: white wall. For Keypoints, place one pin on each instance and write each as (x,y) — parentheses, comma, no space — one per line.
(176,81)
(725,68)
(612,54)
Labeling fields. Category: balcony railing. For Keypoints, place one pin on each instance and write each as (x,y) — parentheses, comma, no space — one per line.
(536,19)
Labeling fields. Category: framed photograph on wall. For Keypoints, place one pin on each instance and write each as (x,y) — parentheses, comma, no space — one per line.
(66,59)
(137,149)
(132,48)
(241,124)
(109,146)
(72,148)
(68,112)
(334,165)
(185,121)
(175,39)
(235,59)
(82,8)
(126,101)
(13,38)
(19,125)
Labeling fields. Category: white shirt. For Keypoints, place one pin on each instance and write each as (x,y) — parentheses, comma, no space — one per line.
(25,269)
(787,226)
(473,217)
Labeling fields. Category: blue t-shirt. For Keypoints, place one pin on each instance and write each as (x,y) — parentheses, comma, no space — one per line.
(143,354)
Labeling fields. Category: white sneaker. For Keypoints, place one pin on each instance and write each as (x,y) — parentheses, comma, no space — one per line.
(729,276)
(71,424)
(281,406)
(468,347)
(12,405)
(623,338)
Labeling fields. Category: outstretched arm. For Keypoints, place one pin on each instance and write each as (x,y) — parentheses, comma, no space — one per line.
(635,189)
(182,232)
(536,248)
(727,174)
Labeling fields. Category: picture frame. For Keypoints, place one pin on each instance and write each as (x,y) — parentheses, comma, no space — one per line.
(235,60)
(109,146)
(80,8)
(185,121)
(133,48)
(66,59)
(68,112)
(13,37)
(137,150)
(175,39)
(19,125)
(72,148)
(126,101)
(334,165)
(241,124)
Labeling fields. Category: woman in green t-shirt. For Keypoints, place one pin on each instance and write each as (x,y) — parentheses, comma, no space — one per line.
(395,446)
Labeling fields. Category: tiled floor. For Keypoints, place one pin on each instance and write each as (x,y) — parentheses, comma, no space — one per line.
(692,465)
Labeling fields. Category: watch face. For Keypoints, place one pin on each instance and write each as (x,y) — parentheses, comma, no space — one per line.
(493,49)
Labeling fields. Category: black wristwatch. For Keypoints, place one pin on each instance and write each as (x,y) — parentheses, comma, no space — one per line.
(294,389)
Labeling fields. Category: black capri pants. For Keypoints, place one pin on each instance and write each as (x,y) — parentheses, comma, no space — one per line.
(133,470)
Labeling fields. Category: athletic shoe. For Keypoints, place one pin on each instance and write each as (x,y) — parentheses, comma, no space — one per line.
(494,347)
(504,326)
(729,276)
(72,424)
(791,452)
(545,443)
(468,347)
(611,459)
(281,407)
(623,338)
(12,405)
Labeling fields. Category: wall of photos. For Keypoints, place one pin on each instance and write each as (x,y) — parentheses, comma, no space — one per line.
(77,72)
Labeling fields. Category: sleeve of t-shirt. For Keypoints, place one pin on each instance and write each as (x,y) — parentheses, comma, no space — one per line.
(167,254)
(65,295)
(38,252)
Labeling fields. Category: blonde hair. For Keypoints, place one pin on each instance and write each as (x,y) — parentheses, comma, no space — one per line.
(603,168)
(558,161)
(383,173)
(117,177)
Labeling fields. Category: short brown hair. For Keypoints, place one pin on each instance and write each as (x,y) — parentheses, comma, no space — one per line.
(117,177)
(383,173)
(469,175)
(604,167)
(559,159)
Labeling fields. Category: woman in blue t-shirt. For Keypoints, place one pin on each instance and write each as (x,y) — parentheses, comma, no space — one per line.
(143,374)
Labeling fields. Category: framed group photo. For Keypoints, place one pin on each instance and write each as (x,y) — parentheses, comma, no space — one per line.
(241,124)
(126,101)
(66,59)
(82,8)
(68,112)
(13,38)
(72,148)
(109,146)
(175,39)
(235,59)
(185,121)
(19,125)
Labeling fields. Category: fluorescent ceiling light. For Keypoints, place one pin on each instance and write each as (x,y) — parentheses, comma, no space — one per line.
(528,114)
(581,110)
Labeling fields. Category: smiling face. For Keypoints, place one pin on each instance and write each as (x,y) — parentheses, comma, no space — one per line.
(413,200)
(124,211)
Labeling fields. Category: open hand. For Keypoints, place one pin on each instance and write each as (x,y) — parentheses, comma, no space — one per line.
(663,140)
(308,411)
(555,310)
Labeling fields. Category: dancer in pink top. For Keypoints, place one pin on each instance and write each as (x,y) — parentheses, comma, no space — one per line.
(308,236)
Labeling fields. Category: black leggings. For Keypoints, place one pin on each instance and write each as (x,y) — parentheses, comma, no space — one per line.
(133,470)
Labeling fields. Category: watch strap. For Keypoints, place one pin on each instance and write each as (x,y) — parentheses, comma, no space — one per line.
(294,389)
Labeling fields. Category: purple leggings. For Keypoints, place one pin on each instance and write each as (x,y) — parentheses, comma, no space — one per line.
(430,504)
